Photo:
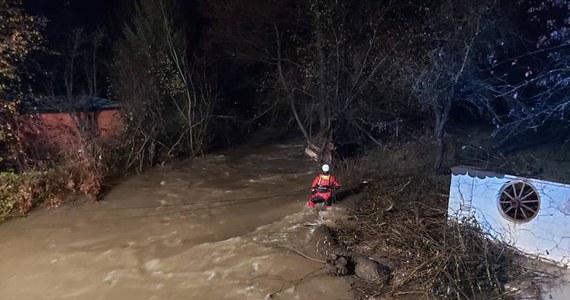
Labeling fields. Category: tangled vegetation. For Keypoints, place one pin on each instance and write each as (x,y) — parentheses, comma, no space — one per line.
(166,89)
(404,221)
(20,34)
(400,219)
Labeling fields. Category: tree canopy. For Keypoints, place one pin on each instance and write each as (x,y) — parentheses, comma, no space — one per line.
(20,34)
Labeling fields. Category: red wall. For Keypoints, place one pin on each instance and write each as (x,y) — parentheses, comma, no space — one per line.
(59,131)
(109,123)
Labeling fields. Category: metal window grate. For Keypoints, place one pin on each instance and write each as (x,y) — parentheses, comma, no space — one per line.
(519,201)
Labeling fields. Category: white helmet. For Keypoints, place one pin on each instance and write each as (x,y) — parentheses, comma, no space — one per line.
(326,168)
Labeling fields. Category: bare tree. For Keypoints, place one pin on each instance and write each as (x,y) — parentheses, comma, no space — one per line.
(446,74)
(257,34)
(164,86)
(196,93)
(349,64)
(332,61)
(288,90)
(92,65)
(536,83)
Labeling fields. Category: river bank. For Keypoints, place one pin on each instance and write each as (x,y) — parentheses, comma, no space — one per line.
(399,221)
(234,225)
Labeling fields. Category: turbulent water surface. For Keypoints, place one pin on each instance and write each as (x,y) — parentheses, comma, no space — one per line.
(219,227)
(224,226)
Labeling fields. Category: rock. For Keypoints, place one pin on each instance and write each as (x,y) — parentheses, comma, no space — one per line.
(338,265)
(324,240)
(371,270)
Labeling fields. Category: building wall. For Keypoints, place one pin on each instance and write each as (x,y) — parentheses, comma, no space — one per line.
(109,123)
(60,131)
(546,236)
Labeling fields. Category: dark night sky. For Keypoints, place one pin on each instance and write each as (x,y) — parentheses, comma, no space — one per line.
(64,15)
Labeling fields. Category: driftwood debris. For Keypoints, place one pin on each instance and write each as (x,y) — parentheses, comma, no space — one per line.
(320,150)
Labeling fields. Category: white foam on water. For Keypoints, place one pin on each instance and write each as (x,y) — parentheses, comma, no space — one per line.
(153,265)
(211,275)
(208,254)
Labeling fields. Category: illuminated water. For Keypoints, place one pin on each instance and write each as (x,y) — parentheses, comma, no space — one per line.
(219,227)
(210,229)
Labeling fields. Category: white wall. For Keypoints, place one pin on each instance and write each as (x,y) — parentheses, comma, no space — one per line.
(548,235)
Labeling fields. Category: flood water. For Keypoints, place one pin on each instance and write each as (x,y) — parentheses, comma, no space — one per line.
(217,227)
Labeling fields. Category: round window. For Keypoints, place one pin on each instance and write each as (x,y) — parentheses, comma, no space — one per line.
(519,201)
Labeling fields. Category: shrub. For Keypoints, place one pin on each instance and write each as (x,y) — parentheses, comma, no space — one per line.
(19,192)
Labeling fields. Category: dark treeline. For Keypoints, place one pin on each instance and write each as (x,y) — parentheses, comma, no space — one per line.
(357,72)
(193,75)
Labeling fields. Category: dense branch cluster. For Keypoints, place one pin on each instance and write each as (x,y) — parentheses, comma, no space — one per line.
(166,94)
(346,68)
(20,34)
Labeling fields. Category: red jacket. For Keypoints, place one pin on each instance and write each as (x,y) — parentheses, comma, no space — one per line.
(326,180)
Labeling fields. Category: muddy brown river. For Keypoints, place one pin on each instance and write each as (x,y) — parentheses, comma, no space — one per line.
(217,227)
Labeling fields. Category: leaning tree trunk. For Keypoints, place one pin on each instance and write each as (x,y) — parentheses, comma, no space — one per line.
(286,86)
(439,142)
(322,98)
(441,117)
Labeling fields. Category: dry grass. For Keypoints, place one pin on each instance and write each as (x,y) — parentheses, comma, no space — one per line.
(402,219)
(429,255)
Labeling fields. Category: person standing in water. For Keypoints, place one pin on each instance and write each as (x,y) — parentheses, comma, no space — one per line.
(322,187)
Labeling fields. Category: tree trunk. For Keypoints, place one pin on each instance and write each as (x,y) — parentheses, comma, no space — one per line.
(322,92)
(323,120)
(440,150)
(288,91)
(441,117)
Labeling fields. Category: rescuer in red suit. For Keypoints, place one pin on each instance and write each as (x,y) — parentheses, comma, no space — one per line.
(322,188)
